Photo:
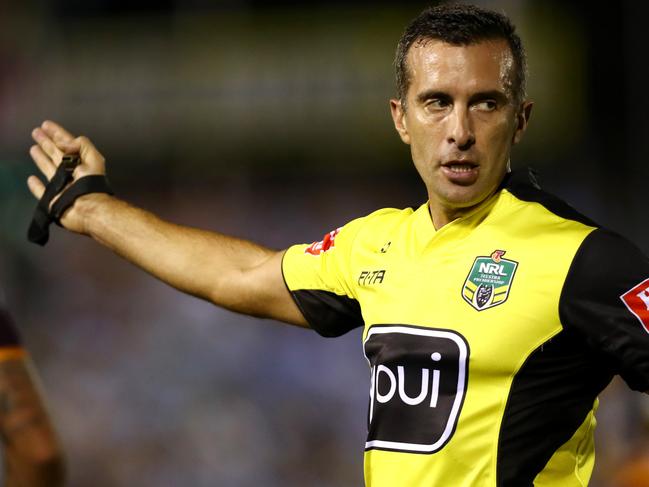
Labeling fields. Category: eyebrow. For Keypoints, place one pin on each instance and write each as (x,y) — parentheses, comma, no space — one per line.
(431,94)
(497,95)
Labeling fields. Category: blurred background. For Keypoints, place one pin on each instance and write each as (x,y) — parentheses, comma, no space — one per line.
(270,121)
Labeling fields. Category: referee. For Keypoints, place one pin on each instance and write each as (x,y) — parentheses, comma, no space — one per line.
(493,314)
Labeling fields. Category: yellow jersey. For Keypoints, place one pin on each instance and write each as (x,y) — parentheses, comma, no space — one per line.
(487,340)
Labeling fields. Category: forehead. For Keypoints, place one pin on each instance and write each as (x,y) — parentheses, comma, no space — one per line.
(483,66)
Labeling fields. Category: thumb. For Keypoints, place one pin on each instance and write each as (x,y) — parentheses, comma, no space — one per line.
(92,162)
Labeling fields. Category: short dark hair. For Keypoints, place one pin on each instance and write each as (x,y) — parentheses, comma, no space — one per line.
(460,25)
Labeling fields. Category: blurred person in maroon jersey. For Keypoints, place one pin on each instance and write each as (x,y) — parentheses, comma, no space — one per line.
(32,454)
(634,471)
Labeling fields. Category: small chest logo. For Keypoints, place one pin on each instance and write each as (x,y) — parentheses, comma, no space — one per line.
(489,281)
(368,278)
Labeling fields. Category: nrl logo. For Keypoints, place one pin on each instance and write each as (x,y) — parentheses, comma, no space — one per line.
(489,281)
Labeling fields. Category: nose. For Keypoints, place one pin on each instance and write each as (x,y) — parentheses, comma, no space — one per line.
(460,131)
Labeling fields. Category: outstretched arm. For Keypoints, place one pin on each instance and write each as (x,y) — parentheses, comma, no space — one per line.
(32,454)
(233,273)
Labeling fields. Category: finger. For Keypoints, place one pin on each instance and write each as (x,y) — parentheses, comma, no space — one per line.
(43,162)
(36,186)
(56,132)
(71,147)
(48,146)
(87,149)
(90,156)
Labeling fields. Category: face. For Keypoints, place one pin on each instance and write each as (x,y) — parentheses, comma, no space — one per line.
(460,121)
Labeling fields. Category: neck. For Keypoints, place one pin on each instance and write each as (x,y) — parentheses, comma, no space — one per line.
(442,215)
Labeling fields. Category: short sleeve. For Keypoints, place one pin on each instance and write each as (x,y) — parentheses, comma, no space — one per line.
(318,278)
(606,300)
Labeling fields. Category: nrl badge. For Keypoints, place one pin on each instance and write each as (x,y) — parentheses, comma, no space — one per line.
(489,280)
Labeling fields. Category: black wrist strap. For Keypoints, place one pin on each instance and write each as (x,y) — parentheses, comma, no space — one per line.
(39,227)
(88,184)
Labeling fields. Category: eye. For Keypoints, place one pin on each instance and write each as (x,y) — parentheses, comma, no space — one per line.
(435,104)
(486,105)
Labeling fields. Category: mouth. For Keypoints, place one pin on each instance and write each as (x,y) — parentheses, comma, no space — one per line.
(463,172)
(459,166)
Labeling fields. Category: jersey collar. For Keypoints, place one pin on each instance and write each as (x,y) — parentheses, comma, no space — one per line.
(463,226)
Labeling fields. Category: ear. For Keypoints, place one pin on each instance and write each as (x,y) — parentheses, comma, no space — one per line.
(399,119)
(522,119)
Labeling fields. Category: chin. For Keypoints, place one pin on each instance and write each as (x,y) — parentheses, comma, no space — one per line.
(465,197)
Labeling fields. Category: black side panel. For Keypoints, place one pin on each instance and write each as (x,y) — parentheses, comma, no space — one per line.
(523,184)
(8,334)
(548,401)
(328,313)
(602,301)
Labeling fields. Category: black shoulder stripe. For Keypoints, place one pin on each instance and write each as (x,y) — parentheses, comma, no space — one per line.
(328,313)
(8,334)
(524,186)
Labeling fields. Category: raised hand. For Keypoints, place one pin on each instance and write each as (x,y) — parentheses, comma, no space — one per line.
(52,143)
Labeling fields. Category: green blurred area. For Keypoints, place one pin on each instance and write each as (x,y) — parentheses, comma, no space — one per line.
(264,91)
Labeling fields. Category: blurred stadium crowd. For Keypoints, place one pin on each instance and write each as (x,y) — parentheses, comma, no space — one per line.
(269,121)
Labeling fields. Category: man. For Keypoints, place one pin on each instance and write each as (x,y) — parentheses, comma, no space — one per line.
(31,452)
(493,314)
